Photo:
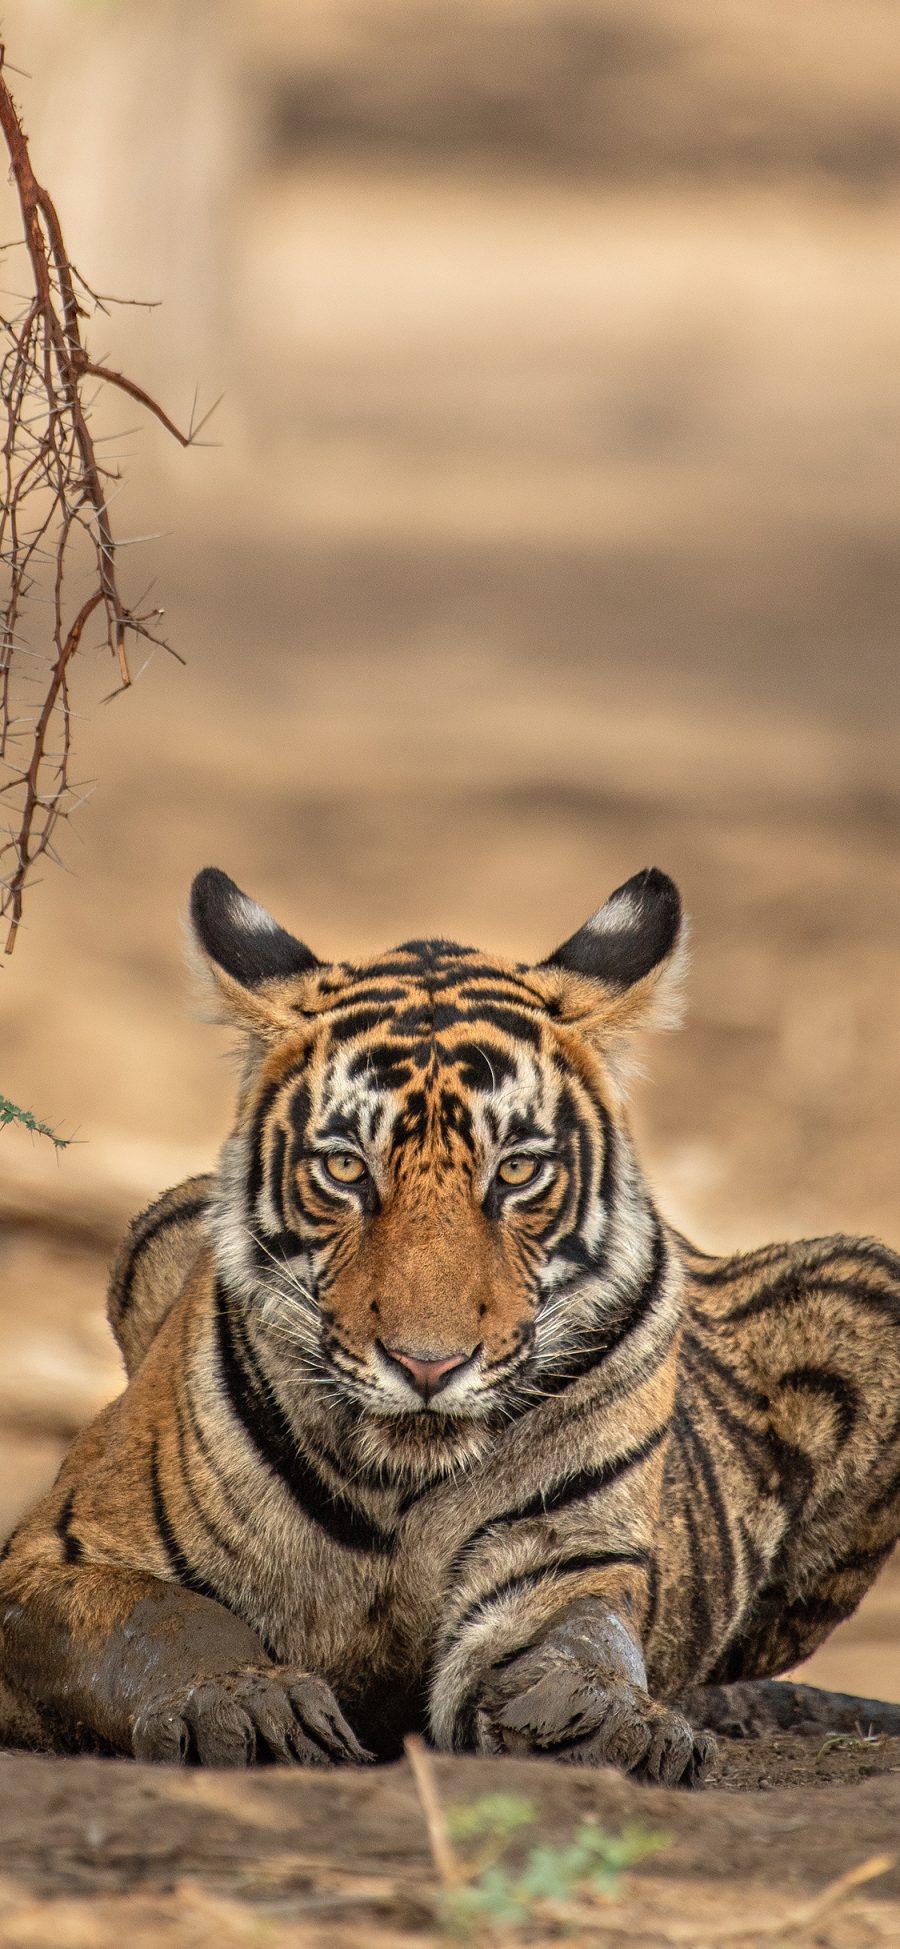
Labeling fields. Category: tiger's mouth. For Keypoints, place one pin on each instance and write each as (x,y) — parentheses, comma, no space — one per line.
(443,1392)
(437,1392)
(425,1375)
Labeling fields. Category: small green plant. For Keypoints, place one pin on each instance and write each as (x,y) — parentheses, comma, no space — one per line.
(553,1883)
(10,1113)
(492,1820)
(850,1742)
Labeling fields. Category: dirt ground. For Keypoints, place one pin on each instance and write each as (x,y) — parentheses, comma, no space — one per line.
(553,534)
(93,1851)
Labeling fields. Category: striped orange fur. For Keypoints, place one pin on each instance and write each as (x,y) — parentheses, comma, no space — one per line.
(432,1421)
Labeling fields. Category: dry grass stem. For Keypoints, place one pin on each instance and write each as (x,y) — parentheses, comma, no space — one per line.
(451,1871)
(811,1913)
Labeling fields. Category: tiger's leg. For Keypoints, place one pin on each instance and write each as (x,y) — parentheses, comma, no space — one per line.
(575,1690)
(819,1336)
(750,1708)
(123,1661)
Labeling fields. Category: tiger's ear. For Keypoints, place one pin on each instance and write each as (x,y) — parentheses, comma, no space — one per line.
(242,954)
(623,968)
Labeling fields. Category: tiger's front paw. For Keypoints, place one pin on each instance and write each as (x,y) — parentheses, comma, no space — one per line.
(271,1712)
(548,1704)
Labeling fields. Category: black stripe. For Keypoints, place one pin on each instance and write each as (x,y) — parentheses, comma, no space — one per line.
(433,964)
(561,1495)
(868,1560)
(236,1508)
(652,1597)
(700,1630)
(276,1174)
(721,1272)
(871,1251)
(264,1421)
(193,1209)
(279,1245)
(805,1282)
(608,1340)
(72,1548)
(838,1389)
(381,1477)
(793,1471)
(805,1256)
(510,1021)
(778,1631)
(357,1021)
(400,965)
(256,1173)
(696,1252)
(648,1296)
(579,1136)
(299,1110)
(886,1497)
(474,990)
(696,1352)
(366,992)
(474,1061)
(547,1573)
(209,1522)
(183,1570)
(478,980)
(386,1066)
(584,1141)
(752,1445)
(403,969)
(716,1501)
(608,1173)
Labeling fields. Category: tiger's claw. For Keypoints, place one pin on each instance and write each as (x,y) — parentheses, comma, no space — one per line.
(246,1717)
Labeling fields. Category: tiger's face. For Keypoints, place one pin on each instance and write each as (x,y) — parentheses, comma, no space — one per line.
(430,1190)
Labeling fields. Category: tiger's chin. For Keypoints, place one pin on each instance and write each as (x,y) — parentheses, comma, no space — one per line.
(420,1447)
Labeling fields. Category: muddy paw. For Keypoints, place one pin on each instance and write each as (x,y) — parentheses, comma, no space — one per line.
(648,1740)
(237,1718)
(565,1710)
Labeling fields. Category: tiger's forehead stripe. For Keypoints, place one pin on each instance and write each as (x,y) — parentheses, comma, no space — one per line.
(428,1007)
(428,969)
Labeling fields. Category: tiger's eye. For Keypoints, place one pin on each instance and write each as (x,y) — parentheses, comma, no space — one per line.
(518,1170)
(344,1166)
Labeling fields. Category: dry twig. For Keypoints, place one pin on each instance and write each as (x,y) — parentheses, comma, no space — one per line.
(450,1869)
(54,516)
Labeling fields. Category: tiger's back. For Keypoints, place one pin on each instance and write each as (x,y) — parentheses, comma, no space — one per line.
(157,1254)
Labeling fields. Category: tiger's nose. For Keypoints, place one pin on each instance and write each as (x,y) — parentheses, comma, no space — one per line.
(427,1376)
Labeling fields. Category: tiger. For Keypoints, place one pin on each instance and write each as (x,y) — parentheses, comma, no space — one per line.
(433,1423)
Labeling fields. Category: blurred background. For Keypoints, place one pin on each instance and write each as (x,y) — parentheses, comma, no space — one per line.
(553,532)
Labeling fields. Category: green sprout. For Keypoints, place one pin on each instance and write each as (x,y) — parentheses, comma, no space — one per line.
(549,1880)
(10,1113)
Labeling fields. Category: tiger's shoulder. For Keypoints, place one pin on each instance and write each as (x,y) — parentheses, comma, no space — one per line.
(155,1258)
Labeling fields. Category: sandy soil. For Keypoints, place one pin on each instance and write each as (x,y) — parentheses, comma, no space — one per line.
(92,1850)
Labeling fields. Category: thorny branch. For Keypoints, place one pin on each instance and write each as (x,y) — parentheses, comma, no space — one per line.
(53,509)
